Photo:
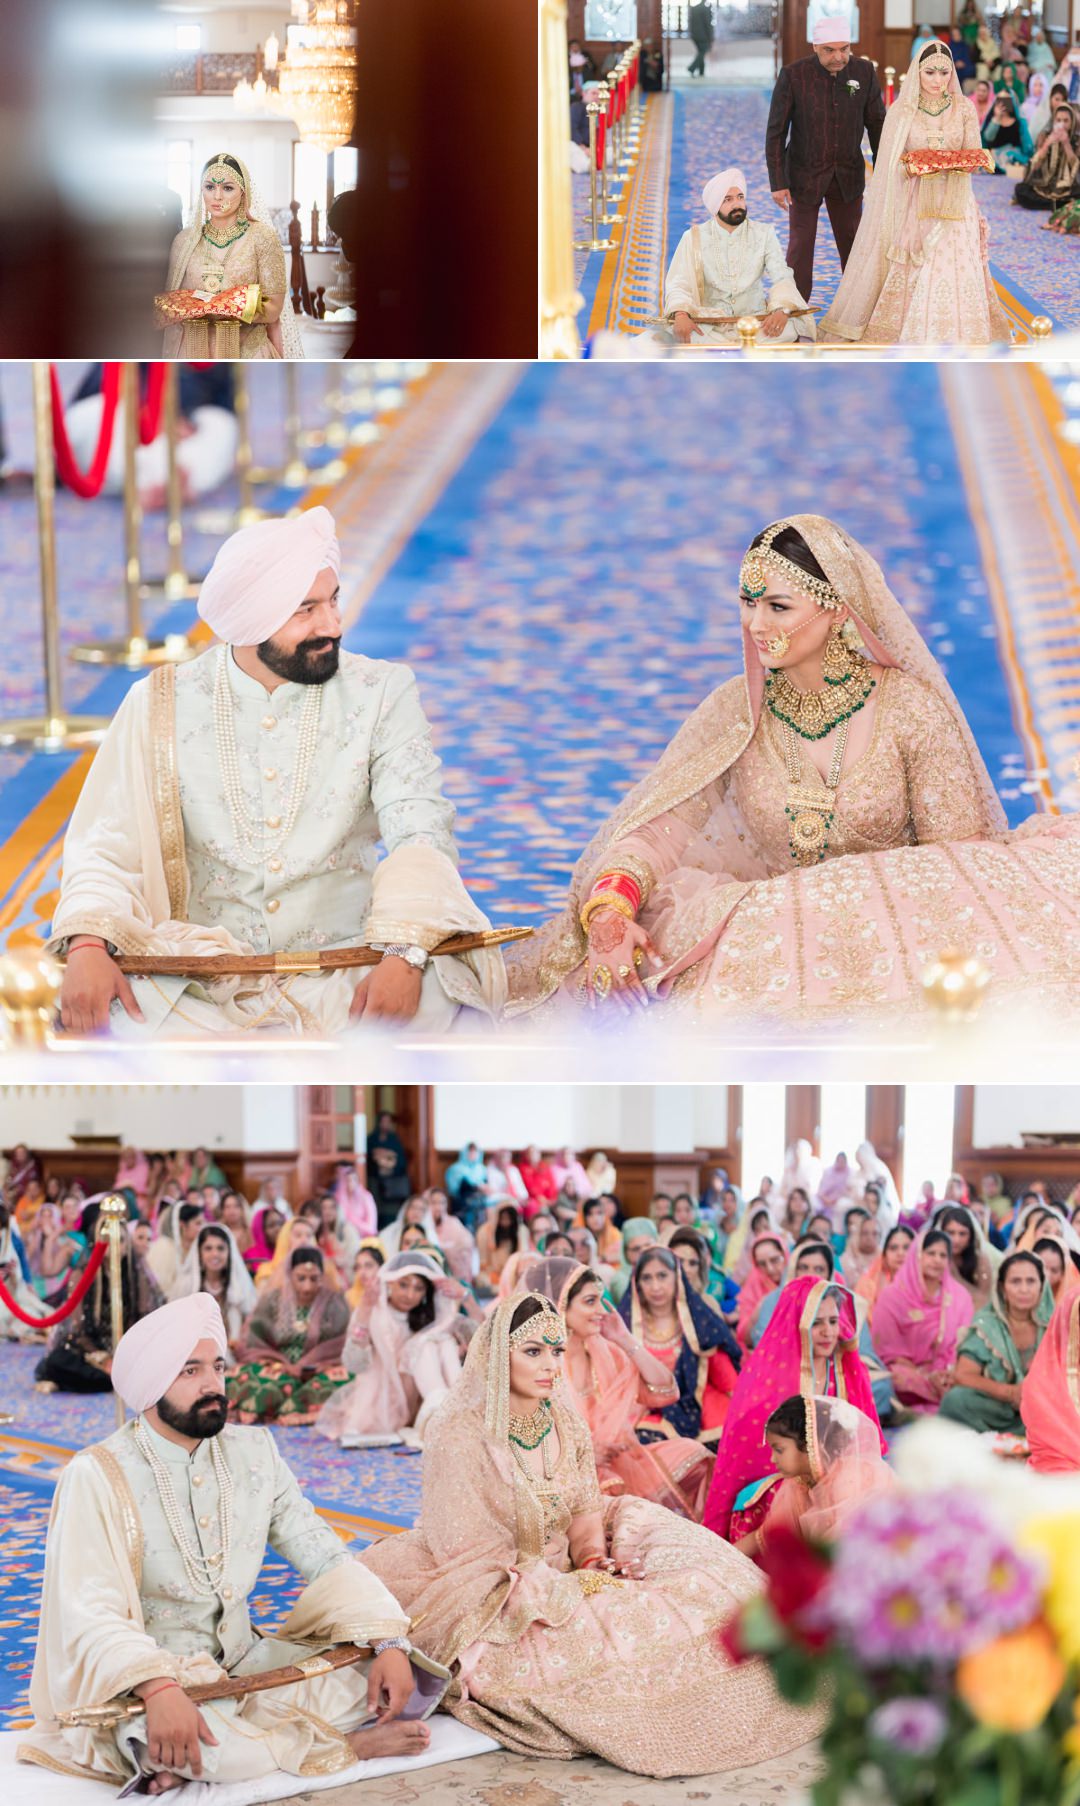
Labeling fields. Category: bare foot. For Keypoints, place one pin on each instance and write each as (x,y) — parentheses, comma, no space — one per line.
(164,1783)
(398,1738)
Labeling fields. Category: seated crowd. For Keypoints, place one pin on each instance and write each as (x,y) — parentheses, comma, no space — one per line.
(734,1359)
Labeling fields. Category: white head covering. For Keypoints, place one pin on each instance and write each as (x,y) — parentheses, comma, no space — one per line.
(263,573)
(151,1355)
(836,30)
(716,188)
(240,1296)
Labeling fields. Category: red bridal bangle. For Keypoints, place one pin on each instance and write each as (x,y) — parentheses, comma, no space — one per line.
(591,1561)
(622,884)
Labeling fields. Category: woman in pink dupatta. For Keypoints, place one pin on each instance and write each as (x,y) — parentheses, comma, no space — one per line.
(768,1253)
(614,1382)
(1050,1399)
(918,1322)
(829,1457)
(809,1347)
(355,1202)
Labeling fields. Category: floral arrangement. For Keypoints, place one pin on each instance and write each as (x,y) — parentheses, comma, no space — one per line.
(180,304)
(945,162)
(947,1654)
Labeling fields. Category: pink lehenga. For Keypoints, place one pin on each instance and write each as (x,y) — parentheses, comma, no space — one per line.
(918,858)
(919,273)
(846,1468)
(560,1661)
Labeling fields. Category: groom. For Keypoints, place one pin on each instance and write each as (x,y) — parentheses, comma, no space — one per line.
(813,143)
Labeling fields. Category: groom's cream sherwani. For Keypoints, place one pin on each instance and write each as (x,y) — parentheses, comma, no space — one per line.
(733,273)
(154,861)
(117,1609)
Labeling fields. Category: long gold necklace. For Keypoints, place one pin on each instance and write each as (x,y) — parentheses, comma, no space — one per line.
(811,811)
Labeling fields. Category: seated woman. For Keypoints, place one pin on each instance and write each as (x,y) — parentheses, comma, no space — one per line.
(416,1212)
(214,1264)
(79,1352)
(614,1382)
(12,1328)
(402,1352)
(757,1220)
(1051,174)
(456,1242)
(639,1234)
(972,1260)
(809,1347)
(996,1353)
(367,1266)
(694,1343)
(229,244)
(290,1356)
(1059,1265)
(829,1457)
(525,1582)
(809,1258)
(768,1254)
(919,1321)
(500,1235)
(267,1222)
(1050,1395)
(1006,137)
(839,741)
(235,1213)
(691,1249)
(862,1244)
(298,1232)
(592,1215)
(882,1271)
(52,1254)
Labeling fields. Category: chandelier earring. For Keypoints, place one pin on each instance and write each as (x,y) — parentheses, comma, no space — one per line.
(837,662)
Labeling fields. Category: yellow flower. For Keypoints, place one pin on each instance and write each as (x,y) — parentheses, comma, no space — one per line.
(1057,1540)
(1010,1684)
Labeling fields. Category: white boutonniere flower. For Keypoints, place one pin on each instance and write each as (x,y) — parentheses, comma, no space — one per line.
(853,87)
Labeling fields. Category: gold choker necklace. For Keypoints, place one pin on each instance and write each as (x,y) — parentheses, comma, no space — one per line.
(935,112)
(529,1432)
(814,713)
(214,237)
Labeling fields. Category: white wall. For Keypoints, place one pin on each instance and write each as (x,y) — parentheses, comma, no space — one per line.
(211,123)
(900,16)
(668,1119)
(1005,1113)
(248,1118)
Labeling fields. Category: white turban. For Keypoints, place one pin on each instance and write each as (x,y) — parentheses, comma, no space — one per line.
(716,188)
(263,573)
(150,1356)
(833,31)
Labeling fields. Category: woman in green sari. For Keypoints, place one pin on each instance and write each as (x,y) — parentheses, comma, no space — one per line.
(998,1347)
(291,1353)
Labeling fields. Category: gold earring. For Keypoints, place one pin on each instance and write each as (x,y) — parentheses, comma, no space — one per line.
(836,660)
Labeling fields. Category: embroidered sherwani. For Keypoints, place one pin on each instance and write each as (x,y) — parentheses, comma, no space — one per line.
(118,1609)
(154,860)
(733,273)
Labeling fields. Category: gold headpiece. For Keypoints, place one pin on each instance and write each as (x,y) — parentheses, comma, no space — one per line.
(218,171)
(938,63)
(760,560)
(544,1325)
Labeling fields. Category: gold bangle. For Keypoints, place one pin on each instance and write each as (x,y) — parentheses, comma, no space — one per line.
(606,900)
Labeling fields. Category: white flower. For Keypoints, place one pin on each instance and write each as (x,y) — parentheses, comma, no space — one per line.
(853,87)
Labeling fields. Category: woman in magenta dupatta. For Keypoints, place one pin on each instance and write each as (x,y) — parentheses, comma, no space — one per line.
(768,1254)
(785,1361)
(919,1320)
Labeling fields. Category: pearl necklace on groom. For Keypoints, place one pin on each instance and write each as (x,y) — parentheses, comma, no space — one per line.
(205,1574)
(251,837)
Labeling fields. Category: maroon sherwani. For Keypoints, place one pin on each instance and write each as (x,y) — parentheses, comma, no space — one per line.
(813,146)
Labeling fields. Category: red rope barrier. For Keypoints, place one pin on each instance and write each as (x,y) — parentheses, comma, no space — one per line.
(86,1278)
(85,483)
(601,128)
(150,412)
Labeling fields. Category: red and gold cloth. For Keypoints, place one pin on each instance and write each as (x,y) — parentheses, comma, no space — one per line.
(946,162)
(179,305)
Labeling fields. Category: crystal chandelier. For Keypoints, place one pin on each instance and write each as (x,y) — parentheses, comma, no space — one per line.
(317,72)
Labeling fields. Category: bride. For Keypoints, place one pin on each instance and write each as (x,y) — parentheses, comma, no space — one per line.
(544,1600)
(818,830)
(918,272)
(229,243)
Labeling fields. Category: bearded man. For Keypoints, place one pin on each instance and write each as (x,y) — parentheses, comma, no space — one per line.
(731,266)
(154,1548)
(235,807)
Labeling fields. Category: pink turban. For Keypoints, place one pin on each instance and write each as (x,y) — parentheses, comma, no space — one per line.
(833,31)
(151,1354)
(716,188)
(263,573)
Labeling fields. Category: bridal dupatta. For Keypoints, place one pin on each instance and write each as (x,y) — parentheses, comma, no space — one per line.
(781,1365)
(1050,1399)
(846,1469)
(126,876)
(708,745)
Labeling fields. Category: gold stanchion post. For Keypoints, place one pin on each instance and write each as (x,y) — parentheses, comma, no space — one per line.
(222,521)
(296,474)
(29,987)
(135,650)
(54,731)
(110,1230)
(594,242)
(176,585)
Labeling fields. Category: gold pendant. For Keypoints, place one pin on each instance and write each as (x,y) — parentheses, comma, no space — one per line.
(810,816)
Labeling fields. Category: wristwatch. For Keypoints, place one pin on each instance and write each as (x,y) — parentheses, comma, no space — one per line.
(391,1643)
(413,956)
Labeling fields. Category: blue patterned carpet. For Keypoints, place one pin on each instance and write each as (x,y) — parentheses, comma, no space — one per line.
(364,1493)
(568,596)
